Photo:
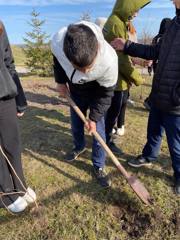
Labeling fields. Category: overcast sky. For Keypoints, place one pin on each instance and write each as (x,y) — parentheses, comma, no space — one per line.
(58,13)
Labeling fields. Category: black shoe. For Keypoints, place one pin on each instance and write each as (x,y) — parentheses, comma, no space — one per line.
(139,162)
(102,177)
(114,148)
(147,106)
(177,187)
(74,154)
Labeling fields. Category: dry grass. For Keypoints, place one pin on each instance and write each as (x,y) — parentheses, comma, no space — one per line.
(18,55)
(72,205)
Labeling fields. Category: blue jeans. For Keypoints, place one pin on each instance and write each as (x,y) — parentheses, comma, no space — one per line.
(77,127)
(159,122)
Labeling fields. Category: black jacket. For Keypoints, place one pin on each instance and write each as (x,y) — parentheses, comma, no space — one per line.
(100,97)
(10,85)
(165,23)
(165,93)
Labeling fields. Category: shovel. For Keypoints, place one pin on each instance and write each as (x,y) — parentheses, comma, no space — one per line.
(135,184)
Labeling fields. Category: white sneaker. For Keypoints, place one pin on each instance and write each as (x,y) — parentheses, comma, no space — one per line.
(113,131)
(120,131)
(18,206)
(130,102)
(30,196)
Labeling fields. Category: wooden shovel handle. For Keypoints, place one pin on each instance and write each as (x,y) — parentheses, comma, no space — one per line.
(99,139)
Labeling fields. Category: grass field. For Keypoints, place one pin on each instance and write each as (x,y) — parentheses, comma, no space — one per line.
(71,204)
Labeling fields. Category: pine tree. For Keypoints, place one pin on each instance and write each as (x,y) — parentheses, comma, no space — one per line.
(37,49)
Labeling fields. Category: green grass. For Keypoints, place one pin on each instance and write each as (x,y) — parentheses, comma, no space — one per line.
(71,204)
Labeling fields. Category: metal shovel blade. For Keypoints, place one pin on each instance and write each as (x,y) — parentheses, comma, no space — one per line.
(140,190)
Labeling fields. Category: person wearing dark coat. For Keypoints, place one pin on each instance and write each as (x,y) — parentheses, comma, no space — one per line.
(165,96)
(12,105)
(165,23)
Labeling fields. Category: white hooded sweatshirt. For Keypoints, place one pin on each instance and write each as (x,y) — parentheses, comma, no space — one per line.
(105,68)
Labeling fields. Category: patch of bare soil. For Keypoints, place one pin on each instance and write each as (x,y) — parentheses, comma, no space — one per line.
(42,93)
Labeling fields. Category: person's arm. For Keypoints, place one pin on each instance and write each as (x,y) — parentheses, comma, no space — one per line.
(101,102)
(21,102)
(149,52)
(59,73)
(99,106)
(60,78)
(20,98)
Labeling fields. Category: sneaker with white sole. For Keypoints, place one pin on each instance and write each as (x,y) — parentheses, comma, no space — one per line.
(102,177)
(130,102)
(113,131)
(120,131)
(18,206)
(30,196)
(139,161)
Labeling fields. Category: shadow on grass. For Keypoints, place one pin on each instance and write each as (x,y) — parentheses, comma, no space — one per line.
(43,99)
(25,74)
(150,170)
(138,109)
(148,85)
(123,204)
(7,217)
(111,196)
(47,132)
(50,139)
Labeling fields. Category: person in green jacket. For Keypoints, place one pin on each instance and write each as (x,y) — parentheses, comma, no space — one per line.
(117,26)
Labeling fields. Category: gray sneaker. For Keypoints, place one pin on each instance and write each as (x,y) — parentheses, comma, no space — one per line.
(139,161)
(102,177)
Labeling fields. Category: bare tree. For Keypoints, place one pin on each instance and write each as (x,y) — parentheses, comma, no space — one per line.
(146,37)
(86,16)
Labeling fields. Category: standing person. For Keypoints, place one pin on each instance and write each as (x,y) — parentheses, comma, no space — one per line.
(87,65)
(117,26)
(12,104)
(165,95)
(153,64)
(100,21)
(120,130)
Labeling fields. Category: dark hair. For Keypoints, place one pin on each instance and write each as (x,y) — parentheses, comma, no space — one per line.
(80,45)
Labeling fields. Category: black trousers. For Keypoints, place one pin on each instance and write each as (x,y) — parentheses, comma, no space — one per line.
(10,142)
(117,109)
